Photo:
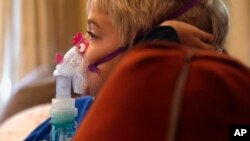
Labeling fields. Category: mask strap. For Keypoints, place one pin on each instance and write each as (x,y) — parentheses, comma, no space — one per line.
(94,68)
(183,9)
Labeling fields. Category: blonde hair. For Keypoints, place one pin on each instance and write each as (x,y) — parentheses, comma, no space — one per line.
(133,18)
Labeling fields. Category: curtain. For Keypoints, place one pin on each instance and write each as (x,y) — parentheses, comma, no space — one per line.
(8,46)
(31,32)
(48,27)
(1,35)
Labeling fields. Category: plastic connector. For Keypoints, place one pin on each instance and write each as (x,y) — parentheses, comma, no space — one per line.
(71,68)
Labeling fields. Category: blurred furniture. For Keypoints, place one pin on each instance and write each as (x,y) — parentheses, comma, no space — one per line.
(38,87)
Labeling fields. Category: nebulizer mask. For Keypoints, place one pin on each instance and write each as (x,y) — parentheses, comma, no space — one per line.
(69,73)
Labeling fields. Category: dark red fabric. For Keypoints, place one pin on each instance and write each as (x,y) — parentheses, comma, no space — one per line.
(134,104)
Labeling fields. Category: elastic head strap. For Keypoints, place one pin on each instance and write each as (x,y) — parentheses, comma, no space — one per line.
(94,68)
(183,9)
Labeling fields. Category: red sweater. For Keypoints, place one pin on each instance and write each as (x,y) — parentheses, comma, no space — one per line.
(135,102)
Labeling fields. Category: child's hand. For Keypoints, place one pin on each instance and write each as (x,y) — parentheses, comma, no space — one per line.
(191,36)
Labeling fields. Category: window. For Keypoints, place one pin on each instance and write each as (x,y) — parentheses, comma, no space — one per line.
(9,45)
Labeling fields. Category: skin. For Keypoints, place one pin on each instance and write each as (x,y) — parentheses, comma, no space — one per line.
(191,36)
(103,39)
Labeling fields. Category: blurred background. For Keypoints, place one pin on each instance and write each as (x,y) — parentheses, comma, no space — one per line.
(32,31)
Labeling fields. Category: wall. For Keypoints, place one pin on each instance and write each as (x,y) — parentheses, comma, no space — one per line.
(238,42)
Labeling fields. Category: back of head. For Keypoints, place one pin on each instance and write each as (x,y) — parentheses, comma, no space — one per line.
(134,18)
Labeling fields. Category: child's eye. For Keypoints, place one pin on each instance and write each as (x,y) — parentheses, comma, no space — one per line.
(91,36)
